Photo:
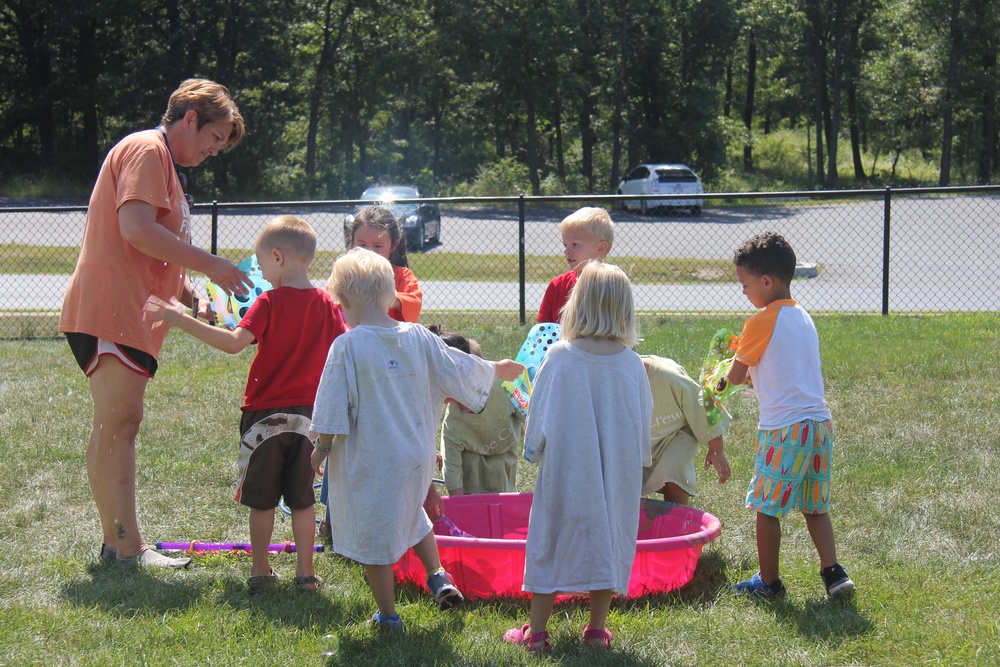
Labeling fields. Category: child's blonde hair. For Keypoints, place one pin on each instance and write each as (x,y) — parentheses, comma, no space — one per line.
(595,220)
(293,236)
(362,276)
(601,306)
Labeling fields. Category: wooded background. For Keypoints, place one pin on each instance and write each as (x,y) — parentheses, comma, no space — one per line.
(341,93)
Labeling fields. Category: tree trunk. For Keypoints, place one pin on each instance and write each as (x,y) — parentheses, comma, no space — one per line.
(838,72)
(727,102)
(852,95)
(616,120)
(324,69)
(989,124)
(532,131)
(820,95)
(87,71)
(948,112)
(855,130)
(33,41)
(560,157)
(587,140)
(748,108)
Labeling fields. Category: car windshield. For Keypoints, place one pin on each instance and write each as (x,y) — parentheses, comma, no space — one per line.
(393,199)
(674,175)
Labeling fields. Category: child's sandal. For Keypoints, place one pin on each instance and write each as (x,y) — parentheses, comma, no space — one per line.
(597,638)
(262,581)
(308,584)
(537,642)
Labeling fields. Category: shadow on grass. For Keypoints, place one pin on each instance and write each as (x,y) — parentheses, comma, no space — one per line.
(127,591)
(824,620)
(567,648)
(361,645)
(821,618)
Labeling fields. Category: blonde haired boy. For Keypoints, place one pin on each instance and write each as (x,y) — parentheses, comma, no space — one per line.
(375,417)
(586,234)
(293,324)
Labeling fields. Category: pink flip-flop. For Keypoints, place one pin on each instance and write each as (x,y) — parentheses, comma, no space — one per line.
(535,643)
(597,638)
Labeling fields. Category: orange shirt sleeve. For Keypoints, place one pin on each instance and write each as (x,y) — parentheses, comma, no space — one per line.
(756,335)
(410,296)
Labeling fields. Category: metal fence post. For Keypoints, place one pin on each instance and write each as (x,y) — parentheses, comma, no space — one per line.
(215,226)
(522,274)
(886,216)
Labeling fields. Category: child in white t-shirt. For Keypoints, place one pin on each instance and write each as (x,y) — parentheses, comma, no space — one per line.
(376,414)
(779,351)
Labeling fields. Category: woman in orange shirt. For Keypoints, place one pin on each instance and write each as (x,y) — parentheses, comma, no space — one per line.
(137,243)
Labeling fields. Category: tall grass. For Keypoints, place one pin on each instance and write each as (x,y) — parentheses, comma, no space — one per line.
(916,408)
(785,159)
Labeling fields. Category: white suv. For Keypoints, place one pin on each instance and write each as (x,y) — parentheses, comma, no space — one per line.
(662,179)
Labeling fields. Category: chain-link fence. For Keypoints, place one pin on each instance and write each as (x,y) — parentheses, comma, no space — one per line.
(864,251)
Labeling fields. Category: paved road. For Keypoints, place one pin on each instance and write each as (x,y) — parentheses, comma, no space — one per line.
(943,250)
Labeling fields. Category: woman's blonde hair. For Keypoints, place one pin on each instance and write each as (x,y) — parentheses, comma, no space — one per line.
(213,104)
(293,236)
(601,306)
(362,276)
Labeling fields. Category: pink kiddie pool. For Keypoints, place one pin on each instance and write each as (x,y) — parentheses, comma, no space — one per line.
(482,540)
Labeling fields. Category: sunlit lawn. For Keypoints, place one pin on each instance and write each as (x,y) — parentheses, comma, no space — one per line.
(916,408)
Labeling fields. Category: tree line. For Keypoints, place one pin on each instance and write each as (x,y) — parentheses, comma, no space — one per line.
(339,93)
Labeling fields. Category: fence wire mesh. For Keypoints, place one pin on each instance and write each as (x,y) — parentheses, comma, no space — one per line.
(870,251)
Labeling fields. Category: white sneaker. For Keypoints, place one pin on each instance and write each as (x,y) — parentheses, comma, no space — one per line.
(150,558)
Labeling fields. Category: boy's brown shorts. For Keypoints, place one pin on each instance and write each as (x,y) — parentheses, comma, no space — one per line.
(274,458)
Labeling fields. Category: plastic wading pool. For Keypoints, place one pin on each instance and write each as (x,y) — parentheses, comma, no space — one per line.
(482,545)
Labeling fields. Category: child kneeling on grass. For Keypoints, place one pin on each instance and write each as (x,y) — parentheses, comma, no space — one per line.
(480,451)
(779,351)
(376,414)
(294,325)
(679,427)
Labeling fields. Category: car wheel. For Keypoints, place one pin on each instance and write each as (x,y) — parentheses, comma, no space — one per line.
(437,232)
(696,210)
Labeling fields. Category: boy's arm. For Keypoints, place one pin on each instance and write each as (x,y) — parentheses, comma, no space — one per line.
(508,369)
(738,372)
(433,504)
(716,457)
(137,221)
(171,313)
(321,449)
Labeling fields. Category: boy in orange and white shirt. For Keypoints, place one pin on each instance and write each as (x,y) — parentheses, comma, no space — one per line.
(779,351)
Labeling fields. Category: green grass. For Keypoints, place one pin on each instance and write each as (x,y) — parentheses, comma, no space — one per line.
(453,266)
(784,160)
(916,407)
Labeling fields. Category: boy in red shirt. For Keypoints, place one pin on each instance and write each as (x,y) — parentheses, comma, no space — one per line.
(586,234)
(294,325)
